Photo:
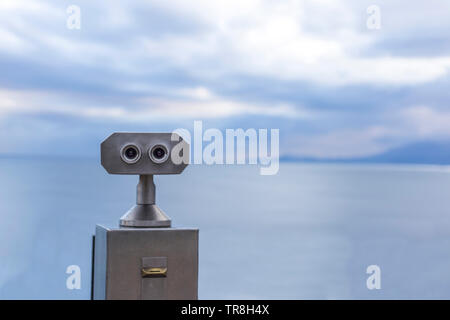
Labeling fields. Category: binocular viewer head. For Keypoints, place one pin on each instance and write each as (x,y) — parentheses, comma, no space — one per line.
(142,153)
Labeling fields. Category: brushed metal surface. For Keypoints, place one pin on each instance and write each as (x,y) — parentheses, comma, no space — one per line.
(121,253)
(100,257)
(145,216)
(113,163)
(154,286)
(145,190)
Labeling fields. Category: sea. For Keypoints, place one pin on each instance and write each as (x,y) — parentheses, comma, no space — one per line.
(312,231)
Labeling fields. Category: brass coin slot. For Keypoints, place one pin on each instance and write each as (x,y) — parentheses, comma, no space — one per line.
(153,272)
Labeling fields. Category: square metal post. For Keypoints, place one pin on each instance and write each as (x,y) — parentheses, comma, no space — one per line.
(145,263)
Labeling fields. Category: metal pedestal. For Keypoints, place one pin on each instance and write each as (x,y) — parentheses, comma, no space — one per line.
(145,263)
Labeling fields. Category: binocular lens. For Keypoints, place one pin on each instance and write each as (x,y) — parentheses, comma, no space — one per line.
(159,153)
(130,154)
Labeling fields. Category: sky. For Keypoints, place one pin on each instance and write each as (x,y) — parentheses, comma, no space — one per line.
(340,79)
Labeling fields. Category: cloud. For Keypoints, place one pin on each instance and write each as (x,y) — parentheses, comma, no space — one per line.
(341,144)
(308,67)
(260,38)
(410,124)
(190,103)
(426,122)
(270,40)
(10,42)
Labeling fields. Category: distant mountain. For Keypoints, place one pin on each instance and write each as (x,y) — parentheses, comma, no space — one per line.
(426,152)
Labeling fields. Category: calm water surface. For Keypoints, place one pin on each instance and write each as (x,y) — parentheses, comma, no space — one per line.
(308,232)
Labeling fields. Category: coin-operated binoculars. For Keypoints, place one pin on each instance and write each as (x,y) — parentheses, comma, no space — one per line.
(144,258)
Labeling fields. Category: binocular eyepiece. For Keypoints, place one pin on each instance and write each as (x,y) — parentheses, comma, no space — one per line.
(131,153)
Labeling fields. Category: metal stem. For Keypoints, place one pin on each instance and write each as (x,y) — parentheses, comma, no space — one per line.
(145,214)
(145,190)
